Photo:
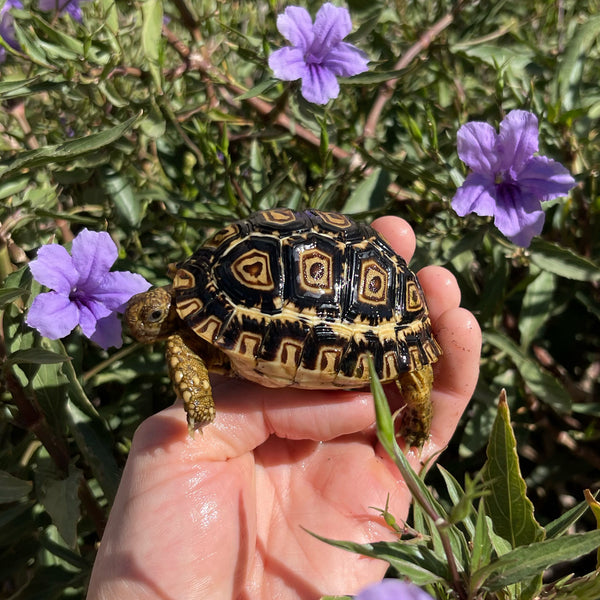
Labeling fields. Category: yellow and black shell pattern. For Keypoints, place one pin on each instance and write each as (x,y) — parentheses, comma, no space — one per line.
(303,298)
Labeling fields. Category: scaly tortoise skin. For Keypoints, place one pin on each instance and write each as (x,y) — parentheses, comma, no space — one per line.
(300,299)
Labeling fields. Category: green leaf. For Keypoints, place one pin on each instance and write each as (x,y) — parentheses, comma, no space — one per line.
(10,294)
(462,509)
(416,562)
(575,588)
(60,499)
(507,504)
(535,308)
(482,547)
(154,124)
(13,186)
(369,194)
(546,387)
(562,261)
(111,15)
(595,506)
(152,21)
(12,488)
(94,443)
(62,39)
(118,188)
(576,55)
(37,356)
(259,89)
(374,77)
(529,561)
(563,523)
(66,151)
(383,416)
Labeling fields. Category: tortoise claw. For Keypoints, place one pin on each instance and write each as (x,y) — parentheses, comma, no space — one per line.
(189,375)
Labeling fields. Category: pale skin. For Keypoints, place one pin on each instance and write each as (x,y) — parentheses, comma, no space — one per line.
(221,516)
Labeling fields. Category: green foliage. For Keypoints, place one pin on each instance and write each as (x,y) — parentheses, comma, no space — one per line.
(160,131)
(495,549)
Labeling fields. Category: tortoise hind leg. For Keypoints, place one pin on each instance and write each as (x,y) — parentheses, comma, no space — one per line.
(415,387)
(189,375)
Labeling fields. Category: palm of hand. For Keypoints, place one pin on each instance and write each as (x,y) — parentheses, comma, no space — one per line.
(225,515)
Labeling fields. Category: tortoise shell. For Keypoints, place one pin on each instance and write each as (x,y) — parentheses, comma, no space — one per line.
(303,298)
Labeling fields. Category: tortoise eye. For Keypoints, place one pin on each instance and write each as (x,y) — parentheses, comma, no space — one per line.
(155,315)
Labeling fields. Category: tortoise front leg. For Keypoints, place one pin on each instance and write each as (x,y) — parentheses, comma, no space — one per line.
(189,375)
(418,412)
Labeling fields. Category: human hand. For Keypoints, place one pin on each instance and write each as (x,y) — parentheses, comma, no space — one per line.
(225,515)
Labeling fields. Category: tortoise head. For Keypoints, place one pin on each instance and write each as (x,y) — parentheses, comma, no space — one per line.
(151,315)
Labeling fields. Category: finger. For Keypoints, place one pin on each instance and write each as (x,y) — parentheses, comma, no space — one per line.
(398,233)
(247,414)
(441,290)
(455,374)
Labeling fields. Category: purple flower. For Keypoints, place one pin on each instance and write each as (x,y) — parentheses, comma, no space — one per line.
(7,30)
(62,6)
(317,54)
(393,589)
(84,292)
(508,182)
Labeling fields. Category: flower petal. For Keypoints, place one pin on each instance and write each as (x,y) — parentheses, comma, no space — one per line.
(7,29)
(288,64)
(519,216)
(53,315)
(545,178)
(108,332)
(476,194)
(346,60)
(61,6)
(319,85)
(90,311)
(54,268)
(332,25)
(517,140)
(47,5)
(118,287)
(393,589)
(476,144)
(296,26)
(94,253)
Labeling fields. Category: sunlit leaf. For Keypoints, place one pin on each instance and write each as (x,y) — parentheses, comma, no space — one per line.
(69,150)
(546,387)
(529,561)
(507,503)
(563,262)
(572,62)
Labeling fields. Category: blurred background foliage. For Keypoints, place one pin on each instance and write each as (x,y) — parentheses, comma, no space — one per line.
(160,121)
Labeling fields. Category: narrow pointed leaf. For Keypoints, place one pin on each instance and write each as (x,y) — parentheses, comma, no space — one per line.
(529,561)
(66,151)
(561,525)
(546,387)
(534,310)
(563,262)
(507,503)
(413,561)
(37,356)
(595,506)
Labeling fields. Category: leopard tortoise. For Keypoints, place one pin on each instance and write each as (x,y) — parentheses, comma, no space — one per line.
(287,298)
